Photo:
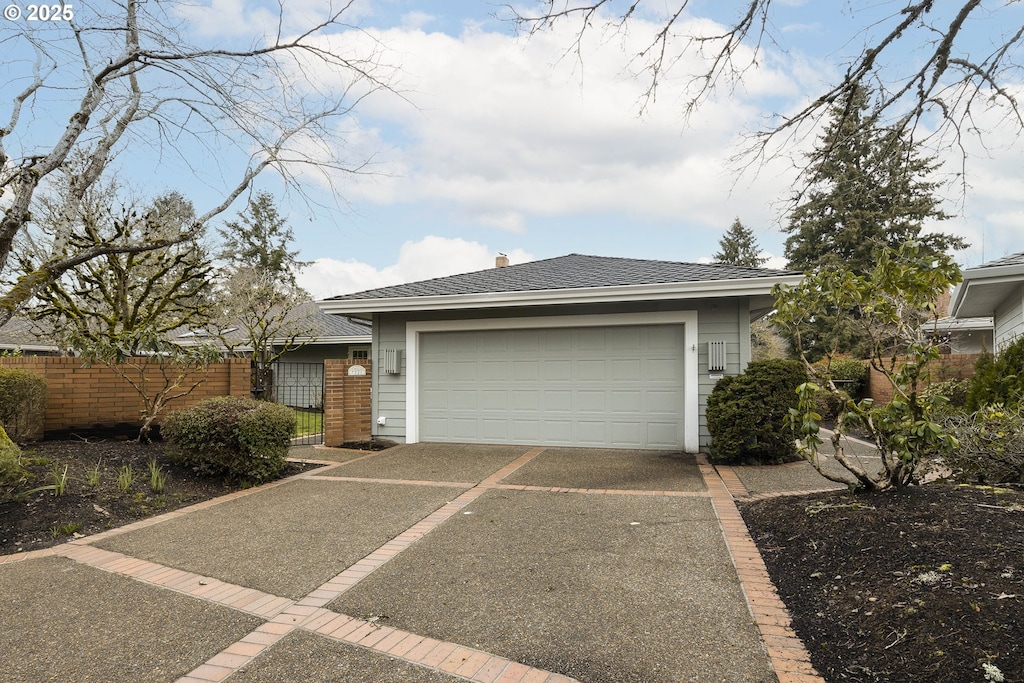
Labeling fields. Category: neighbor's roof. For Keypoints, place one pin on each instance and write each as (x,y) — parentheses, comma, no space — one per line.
(322,328)
(576,278)
(986,286)
(27,335)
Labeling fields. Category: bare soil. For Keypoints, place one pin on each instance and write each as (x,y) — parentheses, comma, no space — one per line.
(92,500)
(925,584)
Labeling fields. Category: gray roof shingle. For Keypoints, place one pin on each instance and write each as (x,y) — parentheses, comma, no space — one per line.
(1010,260)
(574,271)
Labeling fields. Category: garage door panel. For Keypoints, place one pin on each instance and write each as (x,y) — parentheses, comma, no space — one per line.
(667,370)
(525,431)
(591,370)
(525,371)
(591,401)
(494,430)
(438,398)
(434,371)
(463,399)
(624,369)
(557,400)
(664,434)
(494,399)
(625,434)
(610,387)
(556,431)
(464,429)
(663,402)
(525,399)
(558,370)
(494,370)
(627,401)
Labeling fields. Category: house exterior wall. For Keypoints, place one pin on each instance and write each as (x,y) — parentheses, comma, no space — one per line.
(1009,318)
(724,319)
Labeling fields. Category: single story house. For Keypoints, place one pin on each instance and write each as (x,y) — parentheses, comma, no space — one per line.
(576,350)
(994,289)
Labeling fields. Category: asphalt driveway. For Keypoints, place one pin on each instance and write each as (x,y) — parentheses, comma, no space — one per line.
(420,563)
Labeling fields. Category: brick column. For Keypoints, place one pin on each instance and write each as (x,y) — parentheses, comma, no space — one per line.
(347,402)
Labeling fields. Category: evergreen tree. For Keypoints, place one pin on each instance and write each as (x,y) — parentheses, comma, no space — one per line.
(259,240)
(739,247)
(868,188)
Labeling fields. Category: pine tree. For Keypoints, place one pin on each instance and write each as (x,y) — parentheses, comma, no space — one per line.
(259,240)
(739,247)
(868,188)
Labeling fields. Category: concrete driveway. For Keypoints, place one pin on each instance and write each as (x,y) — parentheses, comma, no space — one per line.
(427,562)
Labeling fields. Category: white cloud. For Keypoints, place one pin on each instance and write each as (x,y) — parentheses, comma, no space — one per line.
(424,259)
(504,130)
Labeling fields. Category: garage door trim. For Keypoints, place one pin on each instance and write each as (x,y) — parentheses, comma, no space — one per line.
(687,318)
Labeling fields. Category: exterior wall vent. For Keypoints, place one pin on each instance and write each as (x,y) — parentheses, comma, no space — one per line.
(393,361)
(716,356)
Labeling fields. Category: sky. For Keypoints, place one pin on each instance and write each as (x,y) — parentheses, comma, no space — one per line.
(497,142)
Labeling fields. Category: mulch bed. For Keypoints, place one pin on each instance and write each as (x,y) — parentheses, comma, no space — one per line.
(43,519)
(925,584)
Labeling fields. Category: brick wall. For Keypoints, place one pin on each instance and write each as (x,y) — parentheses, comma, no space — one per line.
(80,398)
(950,366)
(347,402)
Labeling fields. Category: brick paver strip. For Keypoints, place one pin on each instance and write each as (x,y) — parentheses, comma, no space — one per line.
(788,656)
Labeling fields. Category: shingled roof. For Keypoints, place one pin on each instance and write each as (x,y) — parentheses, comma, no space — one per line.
(1010,260)
(574,271)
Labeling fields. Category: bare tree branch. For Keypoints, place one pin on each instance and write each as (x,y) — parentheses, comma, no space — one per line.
(948,84)
(133,82)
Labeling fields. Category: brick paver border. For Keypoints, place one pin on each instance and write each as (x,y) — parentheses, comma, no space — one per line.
(786,651)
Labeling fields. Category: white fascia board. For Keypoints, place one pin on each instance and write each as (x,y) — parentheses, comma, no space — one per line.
(590,295)
(321,341)
(1015,270)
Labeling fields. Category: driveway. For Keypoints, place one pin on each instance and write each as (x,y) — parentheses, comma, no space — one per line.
(427,562)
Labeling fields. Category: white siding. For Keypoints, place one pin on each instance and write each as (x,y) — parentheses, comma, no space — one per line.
(1009,318)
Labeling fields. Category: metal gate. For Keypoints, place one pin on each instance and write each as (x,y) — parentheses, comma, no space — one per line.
(299,386)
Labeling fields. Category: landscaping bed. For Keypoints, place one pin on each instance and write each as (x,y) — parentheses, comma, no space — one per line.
(92,499)
(925,584)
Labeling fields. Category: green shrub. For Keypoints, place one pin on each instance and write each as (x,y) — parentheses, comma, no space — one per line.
(953,390)
(22,404)
(236,438)
(747,413)
(847,372)
(998,379)
(12,474)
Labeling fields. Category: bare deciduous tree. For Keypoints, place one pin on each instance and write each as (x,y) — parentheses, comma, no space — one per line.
(129,79)
(918,56)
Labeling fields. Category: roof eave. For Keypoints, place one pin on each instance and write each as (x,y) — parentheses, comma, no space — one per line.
(315,341)
(589,295)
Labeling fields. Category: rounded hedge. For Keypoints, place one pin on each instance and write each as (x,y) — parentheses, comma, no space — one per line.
(232,437)
(746,414)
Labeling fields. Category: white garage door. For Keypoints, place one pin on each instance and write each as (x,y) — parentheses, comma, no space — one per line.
(590,386)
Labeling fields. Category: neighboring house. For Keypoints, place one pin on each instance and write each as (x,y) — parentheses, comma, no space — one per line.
(298,375)
(28,338)
(994,289)
(961,336)
(576,350)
